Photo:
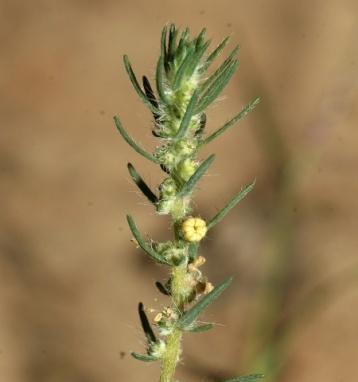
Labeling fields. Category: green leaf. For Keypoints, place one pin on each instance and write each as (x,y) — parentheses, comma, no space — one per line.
(149,92)
(199,328)
(191,315)
(141,184)
(160,81)
(189,112)
(163,48)
(228,61)
(214,54)
(173,32)
(143,244)
(200,39)
(233,202)
(246,378)
(215,75)
(243,113)
(181,45)
(136,85)
(196,59)
(183,68)
(148,331)
(234,52)
(131,142)
(216,87)
(152,99)
(144,358)
(200,171)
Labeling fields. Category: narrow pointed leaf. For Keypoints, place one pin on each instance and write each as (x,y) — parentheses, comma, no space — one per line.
(173,32)
(216,87)
(233,202)
(214,54)
(131,142)
(199,328)
(204,86)
(144,357)
(246,378)
(200,171)
(189,112)
(146,325)
(200,39)
(191,315)
(220,70)
(234,52)
(160,80)
(182,42)
(143,244)
(135,83)
(149,92)
(163,48)
(196,59)
(183,68)
(152,99)
(243,113)
(141,184)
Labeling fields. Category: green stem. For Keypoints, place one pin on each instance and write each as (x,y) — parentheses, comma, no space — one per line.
(171,357)
(173,344)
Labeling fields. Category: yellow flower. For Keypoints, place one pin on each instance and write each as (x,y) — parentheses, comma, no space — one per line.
(194,229)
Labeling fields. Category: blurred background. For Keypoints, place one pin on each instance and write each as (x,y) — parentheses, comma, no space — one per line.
(70,279)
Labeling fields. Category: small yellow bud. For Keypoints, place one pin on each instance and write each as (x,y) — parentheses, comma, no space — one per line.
(194,229)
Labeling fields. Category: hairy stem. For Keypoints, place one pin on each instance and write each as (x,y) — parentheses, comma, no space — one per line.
(173,343)
(171,357)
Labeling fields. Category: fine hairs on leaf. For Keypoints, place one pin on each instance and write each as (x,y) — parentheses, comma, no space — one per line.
(131,142)
(233,202)
(199,328)
(214,54)
(142,243)
(185,86)
(245,111)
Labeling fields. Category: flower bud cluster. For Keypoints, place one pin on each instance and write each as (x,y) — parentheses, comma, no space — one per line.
(177,157)
(174,253)
(169,202)
(177,153)
(165,320)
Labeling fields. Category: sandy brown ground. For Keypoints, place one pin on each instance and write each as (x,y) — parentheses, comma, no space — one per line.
(70,278)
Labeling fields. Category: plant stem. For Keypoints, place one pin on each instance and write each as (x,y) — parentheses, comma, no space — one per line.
(173,343)
(171,357)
